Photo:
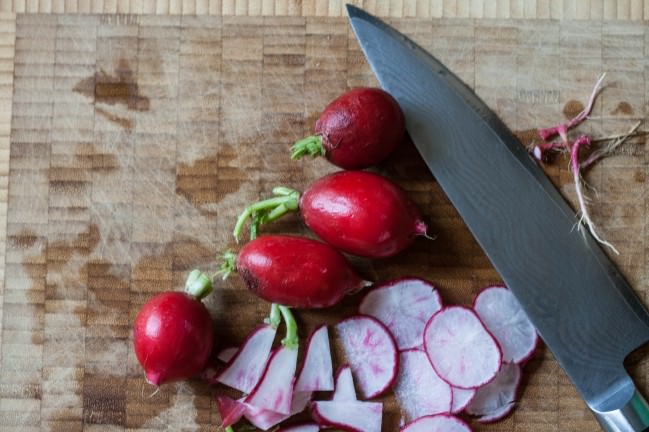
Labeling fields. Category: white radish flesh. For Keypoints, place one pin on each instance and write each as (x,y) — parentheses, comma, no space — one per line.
(227,354)
(266,419)
(497,399)
(317,371)
(437,423)
(461,350)
(371,352)
(502,314)
(419,390)
(305,427)
(404,306)
(274,391)
(350,416)
(344,389)
(245,369)
(461,398)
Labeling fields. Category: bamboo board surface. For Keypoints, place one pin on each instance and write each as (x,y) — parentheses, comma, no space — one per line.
(109,200)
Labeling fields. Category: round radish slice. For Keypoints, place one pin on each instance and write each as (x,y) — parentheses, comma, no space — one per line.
(503,316)
(437,423)
(404,306)
(371,353)
(419,390)
(460,348)
(497,399)
(461,398)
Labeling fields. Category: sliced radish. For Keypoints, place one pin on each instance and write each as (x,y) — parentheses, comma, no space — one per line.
(244,370)
(274,391)
(419,390)
(305,427)
(497,399)
(460,348)
(404,306)
(461,398)
(437,423)
(503,315)
(230,410)
(317,371)
(227,354)
(371,352)
(344,389)
(266,419)
(353,416)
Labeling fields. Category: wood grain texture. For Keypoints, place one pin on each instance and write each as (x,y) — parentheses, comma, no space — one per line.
(129,143)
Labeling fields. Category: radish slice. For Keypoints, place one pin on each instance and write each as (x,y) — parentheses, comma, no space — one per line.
(503,315)
(419,390)
(230,410)
(274,391)
(227,354)
(461,350)
(461,398)
(497,399)
(350,416)
(266,419)
(345,390)
(305,427)
(437,423)
(317,371)
(404,306)
(371,352)
(244,370)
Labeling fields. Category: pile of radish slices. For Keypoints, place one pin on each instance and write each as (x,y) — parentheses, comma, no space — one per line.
(440,361)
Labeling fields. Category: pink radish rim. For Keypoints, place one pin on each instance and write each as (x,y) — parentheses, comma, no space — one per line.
(298,372)
(450,416)
(245,341)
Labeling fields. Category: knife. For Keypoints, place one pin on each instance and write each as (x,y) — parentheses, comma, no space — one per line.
(582,307)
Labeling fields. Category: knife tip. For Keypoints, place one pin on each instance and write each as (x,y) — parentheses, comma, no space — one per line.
(353,11)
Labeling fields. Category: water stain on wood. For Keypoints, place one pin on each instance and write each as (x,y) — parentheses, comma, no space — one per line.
(572,108)
(96,159)
(623,108)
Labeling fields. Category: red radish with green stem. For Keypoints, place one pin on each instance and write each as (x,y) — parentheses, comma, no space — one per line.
(294,271)
(173,333)
(357,212)
(356,130)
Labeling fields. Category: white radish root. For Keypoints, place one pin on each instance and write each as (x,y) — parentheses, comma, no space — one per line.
(344,388)
(353,416)
(437,423)
(497,399)
(274,392)
(316,373)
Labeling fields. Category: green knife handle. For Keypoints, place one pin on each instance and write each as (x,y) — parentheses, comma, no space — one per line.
(632,417)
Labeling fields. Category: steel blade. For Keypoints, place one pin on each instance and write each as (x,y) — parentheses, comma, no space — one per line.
(583,308)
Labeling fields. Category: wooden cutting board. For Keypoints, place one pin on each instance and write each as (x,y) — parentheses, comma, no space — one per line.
(136,140)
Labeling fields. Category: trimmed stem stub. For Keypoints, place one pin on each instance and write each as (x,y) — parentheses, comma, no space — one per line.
(311,146)
(228,264)
(198,284)
(285,200)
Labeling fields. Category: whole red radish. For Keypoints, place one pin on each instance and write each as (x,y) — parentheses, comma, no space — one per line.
(294,271)
(358,212)
(356,130)
(173,333)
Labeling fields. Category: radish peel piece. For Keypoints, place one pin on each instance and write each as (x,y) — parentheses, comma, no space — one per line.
(437,423)
(230,410)
(419,390)
(371,352)
(348,416)
(504,317)
(461,349)
(317,371)
(344,389)
(404,306)
(246,367)
(497,399)
(274,392)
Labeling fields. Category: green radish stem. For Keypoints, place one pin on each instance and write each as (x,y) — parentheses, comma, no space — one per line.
(275,317)
(291,340)
(229,429)
(285,200)
(198,284)
(311,146)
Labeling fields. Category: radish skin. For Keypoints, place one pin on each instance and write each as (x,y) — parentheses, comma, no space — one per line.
(316,373)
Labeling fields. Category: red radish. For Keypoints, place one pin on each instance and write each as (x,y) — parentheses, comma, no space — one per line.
(344,389)
(503,316)
(437,423)
(304,427)
(419,390)
(497,399)
(358,212)
(371,352)
(274,392)
(173,333)
(460,348)
(265,419)
(247,366)
(226,354)
(352,416)
(356,130)
(461,398)
(317,371)
(230,410)
(404,306)
(294,271)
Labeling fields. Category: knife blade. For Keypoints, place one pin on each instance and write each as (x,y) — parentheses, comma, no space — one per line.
(583,308)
